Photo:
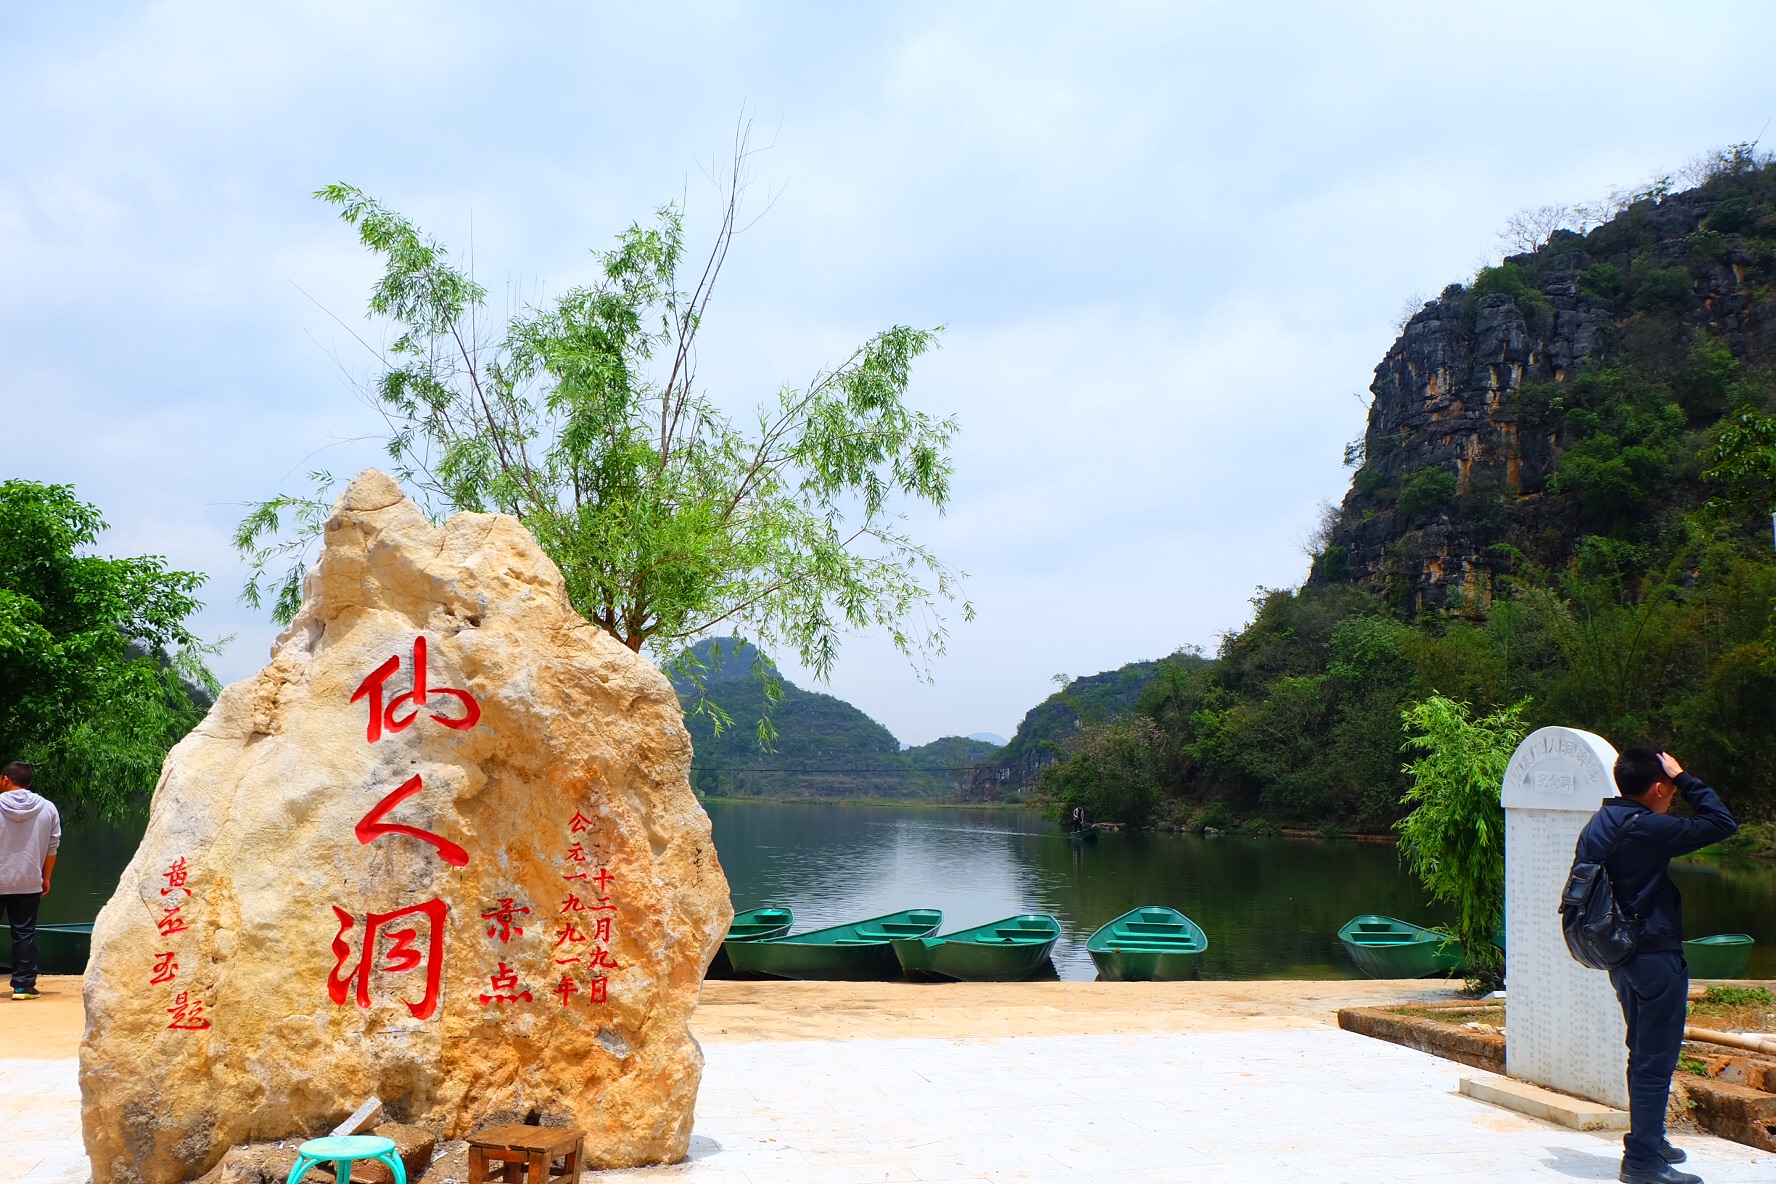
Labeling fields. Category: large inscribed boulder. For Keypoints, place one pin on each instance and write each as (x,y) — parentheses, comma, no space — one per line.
(442,850)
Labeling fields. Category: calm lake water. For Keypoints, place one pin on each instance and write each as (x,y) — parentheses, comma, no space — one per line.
(1271,907)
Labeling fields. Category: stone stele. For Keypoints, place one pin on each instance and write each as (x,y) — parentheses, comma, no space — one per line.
(1564,1028)
(442,850)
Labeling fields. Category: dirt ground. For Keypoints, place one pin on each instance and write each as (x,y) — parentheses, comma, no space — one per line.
(753,1011)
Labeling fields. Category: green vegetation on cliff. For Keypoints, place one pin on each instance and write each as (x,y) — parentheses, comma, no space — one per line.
(1563,500)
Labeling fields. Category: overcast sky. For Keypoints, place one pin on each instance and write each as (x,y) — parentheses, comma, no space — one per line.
(1169,242)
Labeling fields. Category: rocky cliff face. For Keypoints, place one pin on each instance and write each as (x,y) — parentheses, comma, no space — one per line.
(1450,463)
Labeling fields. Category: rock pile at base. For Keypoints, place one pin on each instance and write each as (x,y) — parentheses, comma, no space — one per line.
(442,850)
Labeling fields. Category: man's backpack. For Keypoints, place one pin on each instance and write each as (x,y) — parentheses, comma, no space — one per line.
(1599,932)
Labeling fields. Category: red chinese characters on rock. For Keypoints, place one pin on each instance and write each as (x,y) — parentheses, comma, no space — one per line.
(187,1013)
(371,826)
(565,940)
(504,986)
(393,713)
(386,715)
(596,919)
(504,928)
(401,956)
(504,916)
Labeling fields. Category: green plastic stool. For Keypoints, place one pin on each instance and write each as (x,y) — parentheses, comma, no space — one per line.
(342,1149)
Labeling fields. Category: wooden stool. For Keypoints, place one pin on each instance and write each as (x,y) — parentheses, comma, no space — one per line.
(526,1154)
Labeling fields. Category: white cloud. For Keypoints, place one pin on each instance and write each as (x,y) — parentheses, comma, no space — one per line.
(1168,243)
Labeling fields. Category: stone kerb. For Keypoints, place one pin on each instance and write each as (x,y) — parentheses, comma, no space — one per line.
(442,850)
(1564,1028)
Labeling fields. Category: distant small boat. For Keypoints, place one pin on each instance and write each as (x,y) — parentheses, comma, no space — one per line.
(1087,834)
(1148,944)
(1386,947)
(1006,951)
(859,951)
(1724,955)
(751,925)
(61,948)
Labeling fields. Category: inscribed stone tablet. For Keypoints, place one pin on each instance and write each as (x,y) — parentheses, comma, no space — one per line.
(1563,1026)
(442,849)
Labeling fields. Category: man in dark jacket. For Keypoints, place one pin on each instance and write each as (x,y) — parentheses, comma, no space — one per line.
(1654,984)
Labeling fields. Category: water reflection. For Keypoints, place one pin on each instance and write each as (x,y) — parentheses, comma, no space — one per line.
(1270,907)
(88,866)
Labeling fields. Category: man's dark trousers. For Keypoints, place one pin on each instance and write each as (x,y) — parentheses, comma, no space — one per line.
(1654,990)
(21,910)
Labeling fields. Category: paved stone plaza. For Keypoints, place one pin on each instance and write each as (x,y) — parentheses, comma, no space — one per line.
(1311,1104)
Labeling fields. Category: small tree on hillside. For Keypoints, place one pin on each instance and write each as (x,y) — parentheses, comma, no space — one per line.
(1742,464)
(1454,838)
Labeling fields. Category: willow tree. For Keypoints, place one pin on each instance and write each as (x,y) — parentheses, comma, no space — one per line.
(583,418)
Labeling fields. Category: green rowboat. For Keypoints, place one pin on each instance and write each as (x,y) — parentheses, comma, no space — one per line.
(1006,951)
(1148,944)
(751,925)
(61,949)
(858,951)
(1385,947)
(1725,955)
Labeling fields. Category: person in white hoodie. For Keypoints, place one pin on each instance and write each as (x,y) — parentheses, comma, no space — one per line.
(30,833)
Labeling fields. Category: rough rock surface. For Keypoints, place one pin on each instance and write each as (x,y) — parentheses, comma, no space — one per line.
(1448,396)
(441,753)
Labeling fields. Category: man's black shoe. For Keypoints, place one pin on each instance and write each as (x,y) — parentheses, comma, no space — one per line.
(1670,1154)
(1663,1174)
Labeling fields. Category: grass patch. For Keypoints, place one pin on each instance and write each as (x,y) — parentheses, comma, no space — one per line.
(1491,1014)
(1736,1009)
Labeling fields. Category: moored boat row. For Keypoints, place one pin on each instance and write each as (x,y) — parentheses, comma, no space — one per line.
(1387,947)
(1151,943)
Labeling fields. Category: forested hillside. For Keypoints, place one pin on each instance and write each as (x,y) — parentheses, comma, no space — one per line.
(1048,727)
(1563,498)
(823,747)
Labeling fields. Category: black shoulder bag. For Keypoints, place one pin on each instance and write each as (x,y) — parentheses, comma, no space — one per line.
(1599,932)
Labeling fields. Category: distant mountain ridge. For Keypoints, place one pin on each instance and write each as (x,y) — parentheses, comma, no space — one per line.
(824,747)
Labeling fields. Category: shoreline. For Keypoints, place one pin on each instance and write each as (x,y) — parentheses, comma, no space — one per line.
(1279,832)
(767,1010)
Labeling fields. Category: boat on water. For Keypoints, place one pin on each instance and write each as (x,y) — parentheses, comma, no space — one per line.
(1148,944)
(751,925)
(61,948)
(1087,834)
(858,951)
(1005,951)
(1387,947)
(1722,955)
